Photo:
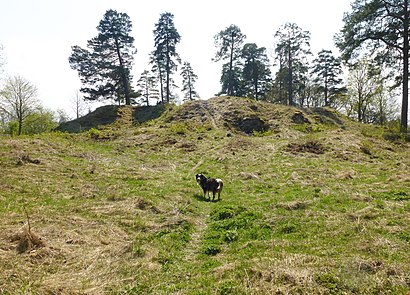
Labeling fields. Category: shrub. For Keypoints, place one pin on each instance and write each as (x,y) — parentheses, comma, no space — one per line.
(94,133)
(179,128)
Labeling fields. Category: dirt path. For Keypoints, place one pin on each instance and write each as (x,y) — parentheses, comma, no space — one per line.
(205,106)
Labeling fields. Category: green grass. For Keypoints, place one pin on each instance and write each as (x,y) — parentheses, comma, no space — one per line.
(123,215)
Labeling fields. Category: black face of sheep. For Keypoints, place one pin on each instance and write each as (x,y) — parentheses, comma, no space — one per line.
(213,185)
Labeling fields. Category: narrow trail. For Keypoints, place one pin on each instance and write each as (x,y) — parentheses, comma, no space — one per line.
(193,248)
(205,106)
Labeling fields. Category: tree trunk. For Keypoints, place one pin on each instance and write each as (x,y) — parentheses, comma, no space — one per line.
(123,75)
(20,126)
(326,90)
(255,78)
(161,81)
(230,85)
(190,86)
(290,78)
(167,82)
(168,71)
(405,102)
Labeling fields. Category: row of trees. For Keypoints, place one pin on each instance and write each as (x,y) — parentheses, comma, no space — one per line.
(374,43)
(299,79)
(105,66)
(374,29)
(247,68)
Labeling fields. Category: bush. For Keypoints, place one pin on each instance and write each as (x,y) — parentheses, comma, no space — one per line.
(179,128)
(211,249)
(94,133)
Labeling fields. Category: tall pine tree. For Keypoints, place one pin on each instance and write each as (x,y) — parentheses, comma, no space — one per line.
(147,84)
(229,45)
(293,46)
(256,72)
(166,37)
(104,68)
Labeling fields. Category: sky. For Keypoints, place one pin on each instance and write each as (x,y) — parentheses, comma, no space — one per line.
(37,36)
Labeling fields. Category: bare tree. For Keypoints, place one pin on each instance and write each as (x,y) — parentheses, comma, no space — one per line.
(78,105)
(18,99)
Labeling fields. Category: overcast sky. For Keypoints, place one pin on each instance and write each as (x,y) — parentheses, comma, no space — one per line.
(37,35)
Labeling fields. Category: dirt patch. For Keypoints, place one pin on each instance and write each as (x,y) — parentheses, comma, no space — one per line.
(299,118)
(327,116)
(251,124)
(27,159)
(312,146)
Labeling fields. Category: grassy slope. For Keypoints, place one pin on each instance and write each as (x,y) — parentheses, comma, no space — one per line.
(124,215)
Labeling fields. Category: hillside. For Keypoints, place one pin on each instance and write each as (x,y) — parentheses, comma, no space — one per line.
(313,203)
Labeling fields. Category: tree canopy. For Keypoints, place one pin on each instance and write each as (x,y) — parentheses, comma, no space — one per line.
(229,45)
(292,48)
(188,81)
(104,68)
(327,70)
(166,58)
(256,70)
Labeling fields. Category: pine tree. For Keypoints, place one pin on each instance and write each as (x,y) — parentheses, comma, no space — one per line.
(166,37)
(256,72)
(188,81)
(104,68)
(229,45)
(327,70)
(292,49)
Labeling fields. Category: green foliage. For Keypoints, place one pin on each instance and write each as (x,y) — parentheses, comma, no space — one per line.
(39,122)
(94,133)
(18,100)
(293,45)
(12,128)
(327,70)
(309,127)
(179,128)
(261,133)
(256,73)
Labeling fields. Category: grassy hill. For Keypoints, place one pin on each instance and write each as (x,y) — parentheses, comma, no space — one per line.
(313,204)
